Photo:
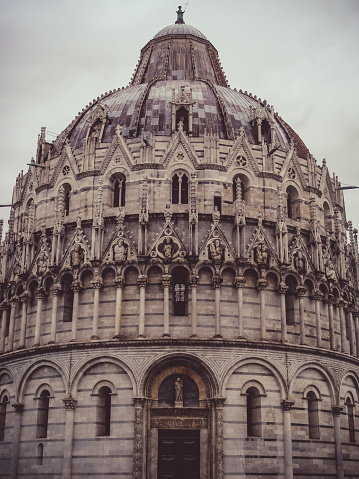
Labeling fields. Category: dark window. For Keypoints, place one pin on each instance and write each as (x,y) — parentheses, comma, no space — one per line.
(218,202)
(266,131)
(67,202)
(184,190)
(182,115)
(179,282)
(289,206)
(40,454)
(3,407)
(68,297)
(351,426)
(103,420)
(175,190)
(254,425)
(313,416)
(43,414)
(119,192)
(180,189)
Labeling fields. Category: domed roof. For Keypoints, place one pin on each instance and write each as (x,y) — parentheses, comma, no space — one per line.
(180,29)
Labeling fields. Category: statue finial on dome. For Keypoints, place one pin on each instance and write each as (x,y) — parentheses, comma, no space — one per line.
(180,13)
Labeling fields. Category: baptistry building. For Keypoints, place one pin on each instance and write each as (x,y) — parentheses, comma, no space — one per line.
(178,289)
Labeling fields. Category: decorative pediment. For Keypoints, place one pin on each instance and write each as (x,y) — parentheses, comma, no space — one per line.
(16,266)
(66,166)
(178,145)
(41,261)
(326,185)
(117,153)
(168,245)
(260,250)
(330,264)
(299,256)
(121,248)
(241,156)
(78,252)
(216,247)
(292,170)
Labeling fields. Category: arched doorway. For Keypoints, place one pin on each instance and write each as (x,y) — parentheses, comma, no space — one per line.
(184,421)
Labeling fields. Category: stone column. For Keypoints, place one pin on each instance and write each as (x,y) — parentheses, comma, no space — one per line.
(70,405)
(287,439)
(139,439)
(25,299)
(301,294)
(4,312)
(353,348)
(216,281)
(166,282)
(56,290)
(16,439)
(218,439)
(75,286)
(97,285)
(142,281)
(193,281)
(330,302)
(119,282)
(10,340)
(261,286)
(317,296)
(283,288)
(341,305)
(40,294)
(356,320)
(336,410)
(239,282)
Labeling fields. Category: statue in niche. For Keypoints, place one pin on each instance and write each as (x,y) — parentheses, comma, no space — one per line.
(216,215)
(120,251)
(179,390)
(299,262)
(167,248)
(261,253)
(77,256)
(41,263)
(329,270)
(216,250)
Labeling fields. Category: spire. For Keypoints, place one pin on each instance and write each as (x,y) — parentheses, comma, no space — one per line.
(180,13)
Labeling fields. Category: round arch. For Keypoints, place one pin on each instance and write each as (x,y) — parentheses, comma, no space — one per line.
(325,373)
(34,367)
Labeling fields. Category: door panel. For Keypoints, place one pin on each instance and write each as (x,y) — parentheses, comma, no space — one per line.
(178,454)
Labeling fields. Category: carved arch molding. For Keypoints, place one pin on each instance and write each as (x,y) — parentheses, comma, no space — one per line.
(150,417)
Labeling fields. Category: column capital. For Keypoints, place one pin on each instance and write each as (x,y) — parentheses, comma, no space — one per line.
(97,282)
(239,281)
(76,286)
(119,281)
(282,288)
(142,280)
(19,407)
(336,410)
(4,306)
(40,293)
(300,291)
(193,280)
(15,300)
(70,403)
(166,280)
(287,404)
(139,401)
(262,284)
(317,295)
(25,297)
(356,313)
(56,289)
(218,402)
(216,281)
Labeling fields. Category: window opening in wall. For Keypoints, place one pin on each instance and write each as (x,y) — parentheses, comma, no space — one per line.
(290,301)
(119,192)
(43,414)
(3,407)
(179,299)
(103,420)
(182,115)
(289,206)
(266,131)
(40,454)
(254,426)
(351,425)
(313,416)
(217,201)
(67,202)
(180,189)
(68,297)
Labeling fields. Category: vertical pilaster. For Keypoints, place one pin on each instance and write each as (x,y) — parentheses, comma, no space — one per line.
(336,410)
(218,439)
(166,282)
(142,281)
(301,294)
(56,290)
(239,282)
(283,288)
(261,286)
(330,302)
(16,439)
(75,286)
(216,281)
(97,285)
(342,326)
(10,340)
(119,282)
(287,439)
(317,296)
(139,439)
(25,299)
(40,294)
(70,405)
(4,314)
(193,284)
(356,321)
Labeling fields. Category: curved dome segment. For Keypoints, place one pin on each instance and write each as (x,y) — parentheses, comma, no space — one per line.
(179,29)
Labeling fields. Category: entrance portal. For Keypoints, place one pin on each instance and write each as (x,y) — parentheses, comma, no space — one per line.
(178,454)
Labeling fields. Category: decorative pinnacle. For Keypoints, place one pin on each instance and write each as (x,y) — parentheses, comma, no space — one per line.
(180,13)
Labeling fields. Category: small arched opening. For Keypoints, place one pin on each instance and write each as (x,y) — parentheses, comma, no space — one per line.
(180,291)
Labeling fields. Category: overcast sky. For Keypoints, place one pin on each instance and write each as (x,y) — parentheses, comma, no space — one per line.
(301,56)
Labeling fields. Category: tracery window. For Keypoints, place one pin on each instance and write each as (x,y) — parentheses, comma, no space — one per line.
(43,414)
(180,189)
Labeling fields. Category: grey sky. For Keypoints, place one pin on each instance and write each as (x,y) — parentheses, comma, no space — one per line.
(301,56)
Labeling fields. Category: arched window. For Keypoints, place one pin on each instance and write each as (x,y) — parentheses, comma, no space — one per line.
(266,131)
(67,201)
(3,407)
(217,201)
(103,415)
(43,414)
(328,218)
(351,425)
(313,416)
(292,203)
(119,192)
(182,115)
(68,299)
(254,420)
(290,300)
(180,189)
(40,454)
(179,282)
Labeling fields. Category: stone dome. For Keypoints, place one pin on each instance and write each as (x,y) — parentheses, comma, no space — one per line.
(180,29)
